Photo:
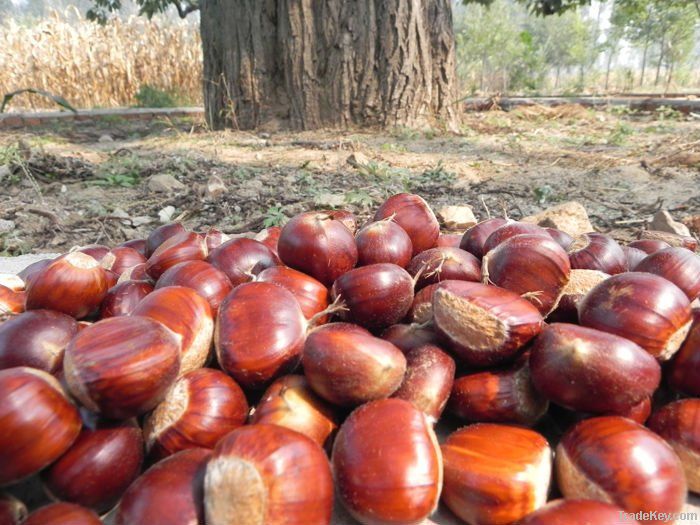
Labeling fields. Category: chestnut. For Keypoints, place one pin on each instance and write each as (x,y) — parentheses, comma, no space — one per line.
(495,474)
(119,259)
(383,242)
(122,366)
(414,215)
(74,284)
(11,302)
(348,366)
(375,296)
(511,229)
(260,333)
(638,413)
(346,217)
(421,311)
(684,371)
(318,245)
(580,283)
(591,371)
(311,295)
(12,510)
(649,246)
(188,315)
(634,256)
(441,264)
(644,308)
(498,396)
(31,271)
(202,406)
(123,298)
(532,265)
(215,238)
(205,279)
(171,492)
(595,251)
(268,474)
(269,237)
(474,238)
(563,239)
(430,373)
(186,246)
(12,282)
(135,273)
(242,259)
(483,325)
(96,251)
(291,403)
(38,422)
(451,240)
(36,339)
(679,241)
(387,464)
(136,244)
(678,265)
(160,235)
(406,337)
(571,511)
(98,468)
(62,514)
(616,460)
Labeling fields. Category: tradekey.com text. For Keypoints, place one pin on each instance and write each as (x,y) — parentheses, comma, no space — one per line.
(675,517)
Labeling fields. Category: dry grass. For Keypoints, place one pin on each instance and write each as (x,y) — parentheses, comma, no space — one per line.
(95,66)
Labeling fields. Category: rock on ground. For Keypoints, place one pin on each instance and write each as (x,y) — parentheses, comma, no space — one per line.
(663,222)
(569,217)
(457,217)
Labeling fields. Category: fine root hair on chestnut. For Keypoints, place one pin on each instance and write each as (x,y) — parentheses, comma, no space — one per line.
(234,492)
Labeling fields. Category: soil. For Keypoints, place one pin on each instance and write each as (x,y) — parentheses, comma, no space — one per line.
(88,182)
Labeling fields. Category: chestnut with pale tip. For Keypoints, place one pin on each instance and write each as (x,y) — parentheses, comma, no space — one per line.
(31,271)
(416,218)
(683,374)
(442,264)
(171,492)
(291,403)
(678,265)
(616,460)
(596,251)
(511,229)
(383,242)
(135,273)
(387,464)
(268,474)
(581,511)
(185,246)
(202,406)
(96,251)
(123,298)
(634,256)
(346,365)
(564,239)
(205,279)
(119,259)
(33,400)
(483,325)
(644,308)
(344,216)
(122,367)
(679,424)
(311,295)
(495,474)
(136,244)
(269,237)
(12,302)
(421,311)
(162,234)
(74,284)
(242,259)
(474,238)
(12,510)
(580,283)
(12,282)
(62,514)
(214,238)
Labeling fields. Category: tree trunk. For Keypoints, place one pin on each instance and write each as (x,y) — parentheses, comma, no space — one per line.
(307,64)
(644,61)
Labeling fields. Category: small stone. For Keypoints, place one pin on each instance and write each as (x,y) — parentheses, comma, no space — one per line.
(141,220)
(264,135)
(5,172)
(569,217)
(329,200)
(215,188)
(105,138)
(165,183)
(457,217)
(118,212)
(663,222)
(6,226)
(166,214)
(357,160)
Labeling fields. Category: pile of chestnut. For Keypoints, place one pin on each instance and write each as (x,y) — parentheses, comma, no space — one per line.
(192,378)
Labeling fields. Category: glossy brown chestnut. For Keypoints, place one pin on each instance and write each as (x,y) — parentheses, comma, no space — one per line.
(495,474)
(38,422)
(74,284)
(269,237)
(383,242)
(162,234)
(595,251)
(11,302)
(678,265)
(644,308)
(427,384)
(98,468)
(188,315)
(348,366)
(498,396)
(511,229)
(12,510)
(387,464)
(205,279)
(531,265)
(375,296)
(122,367)
(215,238)
(62,514)
(451,240)
(409,336)
(346,217)
(291,403)
(318,245)
(242,259)
(186,246)
(28,273)
(135,273)
(474,238)
(582,511)
(564,239)
(483,325)
(634,257)
(260,333)
(268,474)
(679,241)
(649,246)
(422,308)
(123,298)
(119,259)
(591,371)
(639,413)
(684,371)
(442,264)
(414,215)
(36,339)
(202,406)
(679,424)
(136,244)
(171,492)
(311,295)
(96,251)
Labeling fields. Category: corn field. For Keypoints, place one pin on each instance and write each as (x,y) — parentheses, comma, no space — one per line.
(99,66)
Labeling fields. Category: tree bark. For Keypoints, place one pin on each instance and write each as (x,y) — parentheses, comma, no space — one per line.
(307,64)
(644,62)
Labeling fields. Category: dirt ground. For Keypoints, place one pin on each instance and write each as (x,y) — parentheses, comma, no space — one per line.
(90,182)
